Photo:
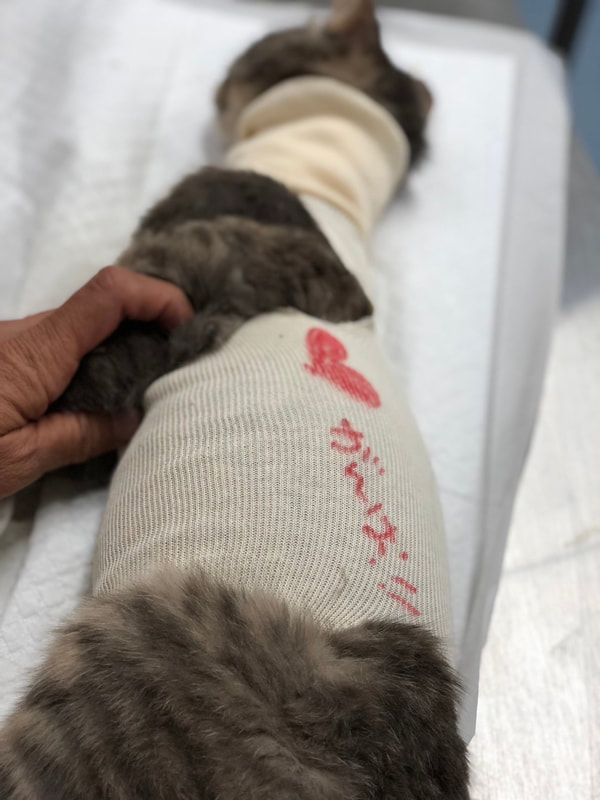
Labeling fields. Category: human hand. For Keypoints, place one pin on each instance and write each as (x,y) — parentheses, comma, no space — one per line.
(40,354)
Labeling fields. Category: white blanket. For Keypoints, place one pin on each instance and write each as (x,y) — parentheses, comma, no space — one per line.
(107,104)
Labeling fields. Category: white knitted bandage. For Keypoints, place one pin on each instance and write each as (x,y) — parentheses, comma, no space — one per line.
(288,460)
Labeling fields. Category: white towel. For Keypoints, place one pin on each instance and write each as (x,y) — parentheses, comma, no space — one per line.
(110,104)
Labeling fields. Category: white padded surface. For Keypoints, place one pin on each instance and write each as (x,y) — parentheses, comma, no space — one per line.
(108,104)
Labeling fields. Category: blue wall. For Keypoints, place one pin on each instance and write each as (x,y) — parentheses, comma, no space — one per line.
(538,14)
(584,68)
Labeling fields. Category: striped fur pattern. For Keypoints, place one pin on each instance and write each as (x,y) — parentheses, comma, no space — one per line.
(180,688)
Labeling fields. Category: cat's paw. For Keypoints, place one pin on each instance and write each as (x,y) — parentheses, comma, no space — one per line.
(114,376)
(99,386)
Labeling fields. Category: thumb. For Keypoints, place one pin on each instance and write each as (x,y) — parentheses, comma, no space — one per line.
(58,440)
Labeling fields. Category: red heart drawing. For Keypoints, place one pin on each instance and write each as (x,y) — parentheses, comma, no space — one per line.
(327,354)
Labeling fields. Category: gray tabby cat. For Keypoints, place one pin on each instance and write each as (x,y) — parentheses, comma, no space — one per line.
(179,687)
(239,243)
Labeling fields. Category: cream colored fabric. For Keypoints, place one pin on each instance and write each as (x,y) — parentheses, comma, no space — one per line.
(324,139)
(287,461)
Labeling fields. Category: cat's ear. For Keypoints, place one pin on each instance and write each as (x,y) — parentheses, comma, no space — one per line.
(354,18)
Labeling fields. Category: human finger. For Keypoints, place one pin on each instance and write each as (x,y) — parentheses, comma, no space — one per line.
(12,327)
(59,440)
(37,365)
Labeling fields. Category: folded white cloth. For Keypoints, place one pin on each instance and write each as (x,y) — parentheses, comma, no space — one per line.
(289,461)
(322,138)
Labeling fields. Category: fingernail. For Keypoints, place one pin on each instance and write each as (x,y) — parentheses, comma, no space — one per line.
(126,424)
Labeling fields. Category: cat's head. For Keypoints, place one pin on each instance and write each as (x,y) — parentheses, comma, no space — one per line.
(346,47)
